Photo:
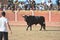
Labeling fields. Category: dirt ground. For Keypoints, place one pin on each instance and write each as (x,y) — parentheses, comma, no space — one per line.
(20,33)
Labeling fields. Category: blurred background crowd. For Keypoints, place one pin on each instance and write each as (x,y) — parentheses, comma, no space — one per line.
(30,5)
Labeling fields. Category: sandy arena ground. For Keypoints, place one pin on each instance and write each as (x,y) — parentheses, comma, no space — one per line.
(20,33)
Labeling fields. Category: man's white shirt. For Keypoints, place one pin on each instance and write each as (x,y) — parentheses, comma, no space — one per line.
(3,22)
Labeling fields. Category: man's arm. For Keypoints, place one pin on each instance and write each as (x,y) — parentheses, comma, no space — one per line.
(9,27)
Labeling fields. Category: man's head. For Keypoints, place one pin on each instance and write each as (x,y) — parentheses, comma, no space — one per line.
(3,14)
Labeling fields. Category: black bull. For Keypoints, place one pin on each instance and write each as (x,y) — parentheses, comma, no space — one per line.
(35,20)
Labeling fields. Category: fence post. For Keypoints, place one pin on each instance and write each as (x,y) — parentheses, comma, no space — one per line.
(16,15)
(50,16)
(32,12)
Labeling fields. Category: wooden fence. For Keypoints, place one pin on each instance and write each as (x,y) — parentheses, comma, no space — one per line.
(52,18)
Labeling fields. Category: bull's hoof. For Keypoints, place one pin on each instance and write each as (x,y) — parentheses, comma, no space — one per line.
(40,29)
(44,29)
(26,29)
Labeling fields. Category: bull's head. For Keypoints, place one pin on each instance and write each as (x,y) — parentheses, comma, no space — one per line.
(25,17)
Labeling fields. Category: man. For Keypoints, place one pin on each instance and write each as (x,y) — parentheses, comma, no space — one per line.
(0,5)
(3,27)
(49,4)
(33,5)
(58,3)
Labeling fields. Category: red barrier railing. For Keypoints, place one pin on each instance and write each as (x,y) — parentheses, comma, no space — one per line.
(50,16)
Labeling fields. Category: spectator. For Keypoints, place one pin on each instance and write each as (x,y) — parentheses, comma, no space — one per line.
(41,7)
(21,5)
(45,6)
(0,5)
(49,4)
(58,3)
(26,5)
(43,1)
(33,4)
(9,5)
(30,4)
(4,9)
(13,7)
(16,4)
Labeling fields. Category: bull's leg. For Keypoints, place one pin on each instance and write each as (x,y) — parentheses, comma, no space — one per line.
(41,28)
(44,27)
(30,28)
(27,28)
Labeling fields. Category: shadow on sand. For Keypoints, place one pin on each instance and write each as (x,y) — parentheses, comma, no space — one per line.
(52,30)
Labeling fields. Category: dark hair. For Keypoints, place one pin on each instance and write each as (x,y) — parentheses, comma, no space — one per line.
(3,13)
